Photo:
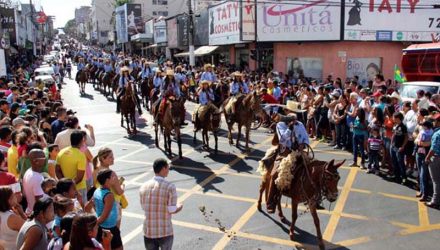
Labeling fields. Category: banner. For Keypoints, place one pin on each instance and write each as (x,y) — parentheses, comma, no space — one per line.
(160,32)
(247,20)
(304,67)
(172,33)
(365,68)
(149,28)
(384,20)
(224,23)
(2,63)
(182,31)
(201,32)
(7,18)
(315,20)
(134,19)
(121,24)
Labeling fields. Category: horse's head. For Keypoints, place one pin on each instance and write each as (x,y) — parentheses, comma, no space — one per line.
(175,109)
(215,121)
(330,180)
(255,102)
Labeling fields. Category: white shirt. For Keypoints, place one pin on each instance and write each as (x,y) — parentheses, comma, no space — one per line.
(410,122)
(32,187)
(63,139)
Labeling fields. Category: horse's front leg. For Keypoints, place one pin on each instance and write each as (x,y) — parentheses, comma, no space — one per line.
(317,225)
(247,136)
(280,211)
(156,139)
(238,135)
(216,141)
(122,120)
(263,188)
(127,118)
(294,217)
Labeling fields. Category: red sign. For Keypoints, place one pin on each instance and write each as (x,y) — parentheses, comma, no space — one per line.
(41,17)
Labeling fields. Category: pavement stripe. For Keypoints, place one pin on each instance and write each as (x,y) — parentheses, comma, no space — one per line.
(127,238)
(400,197)
(423,214)
(334,219)
(347,243)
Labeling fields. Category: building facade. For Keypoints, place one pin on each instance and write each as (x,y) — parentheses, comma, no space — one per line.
(101,21)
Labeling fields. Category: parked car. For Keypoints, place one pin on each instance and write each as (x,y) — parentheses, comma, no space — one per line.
(49,58)
(44,71)
(408,90)
(46,79)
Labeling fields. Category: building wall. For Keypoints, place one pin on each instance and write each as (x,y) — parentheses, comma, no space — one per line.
(391,54)
(101,15)
(172,8)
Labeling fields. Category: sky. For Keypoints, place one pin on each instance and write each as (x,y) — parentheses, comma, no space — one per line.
(63,10)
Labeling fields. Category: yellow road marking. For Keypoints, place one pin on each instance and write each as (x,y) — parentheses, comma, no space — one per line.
(399,197)
(420,229)
(334,219)
(402,225)
(274,240)
(423,214)
(352,242)
(236,227)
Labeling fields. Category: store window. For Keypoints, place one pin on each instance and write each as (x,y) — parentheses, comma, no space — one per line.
(160,2)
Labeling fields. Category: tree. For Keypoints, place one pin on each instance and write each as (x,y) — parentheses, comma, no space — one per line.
(70,27)
(122,2)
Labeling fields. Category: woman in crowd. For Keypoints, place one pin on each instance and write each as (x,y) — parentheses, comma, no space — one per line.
(84,233)
(11,217)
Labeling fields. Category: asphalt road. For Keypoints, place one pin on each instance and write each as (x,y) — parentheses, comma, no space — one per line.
(370,213)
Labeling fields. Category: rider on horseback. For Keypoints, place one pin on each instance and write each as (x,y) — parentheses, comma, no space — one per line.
(108,68)
(169,89)
(237,90)
(208,74)
(206,97)
(123,81)
(80,67)
(146,72)
(100,67)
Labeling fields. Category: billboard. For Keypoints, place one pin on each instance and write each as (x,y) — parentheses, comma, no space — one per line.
(2,63)
(149,28)
(247,20)
(8,24)
(135,24)
(172,33)
(308,67)
(317,20)
(369,20)
(121,24)
(182,31)
(365,68)
(160,32)
(201,32)
(224,23)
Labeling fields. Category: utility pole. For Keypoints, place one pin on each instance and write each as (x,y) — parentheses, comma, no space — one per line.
(191,35)
(34,31)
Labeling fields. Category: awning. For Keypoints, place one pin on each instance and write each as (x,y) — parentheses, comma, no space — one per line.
(201,51)
(144,38)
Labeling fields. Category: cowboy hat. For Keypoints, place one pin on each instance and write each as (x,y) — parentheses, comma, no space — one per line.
(288,118)
(170,72)
(293,106)
(205,81)
(208,65)
(395,95)
(237,73)
(125,68)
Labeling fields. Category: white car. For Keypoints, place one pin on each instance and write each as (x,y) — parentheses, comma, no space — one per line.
(46,79)
(44,71)
(49,58)
(408,90)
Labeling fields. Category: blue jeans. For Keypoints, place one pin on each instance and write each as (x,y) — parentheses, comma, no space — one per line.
(373,160)
(340,134)
(358,140)
(398,159)
(423,173)
(165,243)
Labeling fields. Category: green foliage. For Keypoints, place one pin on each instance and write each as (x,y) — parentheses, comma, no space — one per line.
(122,2)
(70,27)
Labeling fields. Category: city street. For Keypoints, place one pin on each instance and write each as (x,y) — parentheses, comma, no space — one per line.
(219,192)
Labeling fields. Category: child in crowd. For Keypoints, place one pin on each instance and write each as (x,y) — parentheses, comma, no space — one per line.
(375,145)
(53,152)
(61,206)
(49,186)
(66,188)
(65,228)
(359,127)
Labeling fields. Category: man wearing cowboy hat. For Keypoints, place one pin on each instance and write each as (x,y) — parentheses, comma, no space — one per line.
(206,96)
(146,72)
(208,74)
(179,75)
(123,81)
(237,89)
(169,88)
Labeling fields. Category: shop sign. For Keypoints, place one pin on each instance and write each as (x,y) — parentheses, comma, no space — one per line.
(134,22)
(365,68)
(149,28)
(397,20)
(182,31)
(315,20)
(7,19)
(172,33)
(224,23)
(201,36)
(308,67)
(247,20)
(2,63)
(121,24)
(160,32)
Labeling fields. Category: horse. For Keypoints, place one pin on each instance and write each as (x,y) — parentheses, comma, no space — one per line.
(221,91)
(246,107)
(82,79)
(169,120)
(210,121)
(107,82)
(114,85)
(311,180)
(128,109)
(146,87)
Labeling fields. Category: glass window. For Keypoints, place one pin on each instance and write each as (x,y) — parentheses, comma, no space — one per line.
(410,91)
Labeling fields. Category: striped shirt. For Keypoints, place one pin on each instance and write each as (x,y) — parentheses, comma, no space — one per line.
(374,143)
(158,199)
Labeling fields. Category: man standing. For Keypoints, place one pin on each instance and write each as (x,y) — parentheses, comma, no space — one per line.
(58,125)
(159,201)
(433,161)
(33,178)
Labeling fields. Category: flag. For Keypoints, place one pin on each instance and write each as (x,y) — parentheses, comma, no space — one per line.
(41,17)
(398,75)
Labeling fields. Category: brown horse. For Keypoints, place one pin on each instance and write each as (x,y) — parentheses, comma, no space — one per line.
(168,121)
(245,109)
(128,109)
(115,85)
(146,87)
(311,182)
(209,122)
(82,79)
(107,81)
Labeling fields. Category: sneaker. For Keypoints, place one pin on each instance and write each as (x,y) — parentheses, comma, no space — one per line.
(332,144)
(363,166)
(337,147)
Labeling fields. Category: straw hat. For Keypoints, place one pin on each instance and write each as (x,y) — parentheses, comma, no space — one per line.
(395,95)
(205,82)
(293,106)
(170,72)
(208,65)
(237,73)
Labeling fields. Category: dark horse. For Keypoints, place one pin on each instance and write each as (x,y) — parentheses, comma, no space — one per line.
(107,81)
(128,109)
(82,79)
(146,87)
(312,181)
(168,121)
(245,109)
(209,121)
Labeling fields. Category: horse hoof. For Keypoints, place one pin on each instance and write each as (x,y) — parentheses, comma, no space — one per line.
(284,220)
(321,246)
(259,208)
(292,236)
